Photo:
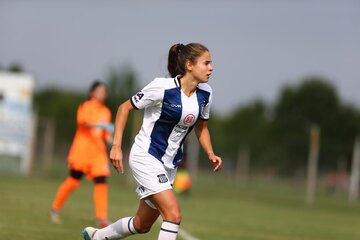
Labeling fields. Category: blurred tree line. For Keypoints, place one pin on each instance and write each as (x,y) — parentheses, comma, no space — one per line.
(277,136)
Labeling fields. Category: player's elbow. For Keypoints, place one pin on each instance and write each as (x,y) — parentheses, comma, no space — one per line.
(125,107)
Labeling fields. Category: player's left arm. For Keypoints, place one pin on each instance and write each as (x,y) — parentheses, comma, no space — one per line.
(109,129)
(203,135)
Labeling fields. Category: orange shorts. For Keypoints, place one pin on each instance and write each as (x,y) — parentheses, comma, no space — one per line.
(92,169)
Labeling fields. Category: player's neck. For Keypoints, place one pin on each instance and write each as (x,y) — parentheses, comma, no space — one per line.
(97,100)
(188,85)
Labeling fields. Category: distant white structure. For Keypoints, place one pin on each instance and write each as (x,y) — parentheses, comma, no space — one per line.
(17,122)
(355,173)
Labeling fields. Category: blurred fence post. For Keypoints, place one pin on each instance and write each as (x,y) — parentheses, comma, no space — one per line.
(27,164)
(355,173)
(193,155)
(242,165)
(49,141)
(312,165)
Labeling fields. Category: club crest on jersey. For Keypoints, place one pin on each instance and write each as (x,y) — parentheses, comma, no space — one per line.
(189,119)
(162,178)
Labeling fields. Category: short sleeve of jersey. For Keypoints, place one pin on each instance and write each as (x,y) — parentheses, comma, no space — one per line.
(205,111)
(150,95)
(82,114)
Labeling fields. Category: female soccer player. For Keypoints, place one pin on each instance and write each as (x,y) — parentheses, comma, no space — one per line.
(88,154)
(173,106)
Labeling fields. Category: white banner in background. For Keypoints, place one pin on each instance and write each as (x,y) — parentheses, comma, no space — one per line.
(16,117)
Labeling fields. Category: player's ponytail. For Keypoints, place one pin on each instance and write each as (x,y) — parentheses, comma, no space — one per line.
(173,60)
(180,53)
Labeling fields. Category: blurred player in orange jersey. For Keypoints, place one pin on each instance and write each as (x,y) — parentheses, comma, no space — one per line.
(88,154)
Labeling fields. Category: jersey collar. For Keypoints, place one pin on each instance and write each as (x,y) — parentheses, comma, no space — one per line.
(177,81)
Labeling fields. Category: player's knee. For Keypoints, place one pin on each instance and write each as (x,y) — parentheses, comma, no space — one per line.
(173,216)
(71,183)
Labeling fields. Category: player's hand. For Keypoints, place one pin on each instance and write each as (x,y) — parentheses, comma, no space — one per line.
(116,158)
(216,160)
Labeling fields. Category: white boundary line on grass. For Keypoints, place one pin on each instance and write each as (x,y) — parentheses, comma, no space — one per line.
(185,235)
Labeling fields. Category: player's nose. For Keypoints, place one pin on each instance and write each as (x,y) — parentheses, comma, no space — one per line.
(211,68)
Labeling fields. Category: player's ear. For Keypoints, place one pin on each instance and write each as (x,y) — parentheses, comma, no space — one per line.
(188,65)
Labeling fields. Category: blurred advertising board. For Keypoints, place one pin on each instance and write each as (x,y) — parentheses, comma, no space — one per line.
(17,122)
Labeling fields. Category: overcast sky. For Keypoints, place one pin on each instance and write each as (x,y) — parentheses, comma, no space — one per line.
(257,46)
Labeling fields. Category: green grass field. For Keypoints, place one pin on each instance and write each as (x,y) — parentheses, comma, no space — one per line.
(217,209)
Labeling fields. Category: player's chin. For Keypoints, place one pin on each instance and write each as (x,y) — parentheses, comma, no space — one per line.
(205,79)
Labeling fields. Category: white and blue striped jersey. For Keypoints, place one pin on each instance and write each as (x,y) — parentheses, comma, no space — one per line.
(169,116)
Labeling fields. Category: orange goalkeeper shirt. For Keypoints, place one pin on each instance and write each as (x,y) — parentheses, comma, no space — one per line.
(88,151)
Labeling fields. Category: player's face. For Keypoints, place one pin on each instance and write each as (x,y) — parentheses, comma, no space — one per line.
(202,69)
(100,93)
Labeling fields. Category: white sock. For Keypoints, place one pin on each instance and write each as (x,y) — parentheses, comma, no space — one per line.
(118,230)
(168,231)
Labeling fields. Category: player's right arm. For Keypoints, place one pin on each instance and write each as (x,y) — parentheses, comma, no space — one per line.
(116,156)
(203,135)
(148,96)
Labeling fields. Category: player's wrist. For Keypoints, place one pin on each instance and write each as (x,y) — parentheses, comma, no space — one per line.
(210,154)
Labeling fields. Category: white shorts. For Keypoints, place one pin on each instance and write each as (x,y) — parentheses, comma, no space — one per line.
(149,173)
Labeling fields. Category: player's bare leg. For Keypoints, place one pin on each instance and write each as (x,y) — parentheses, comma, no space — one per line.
(168,206)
